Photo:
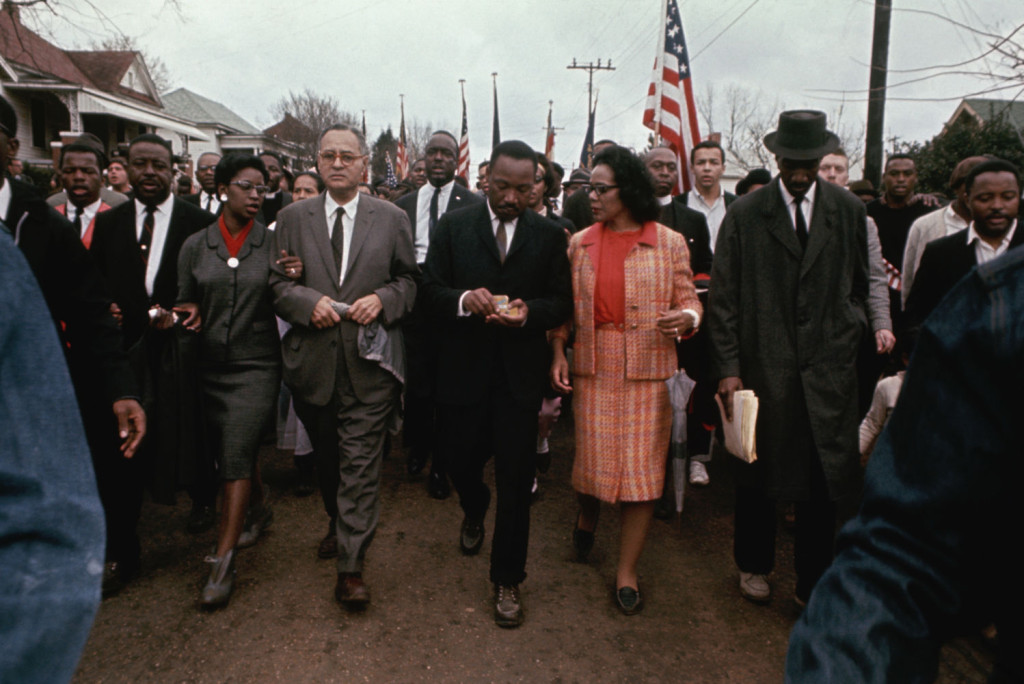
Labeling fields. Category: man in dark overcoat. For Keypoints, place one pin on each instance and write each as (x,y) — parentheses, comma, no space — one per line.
(785,317)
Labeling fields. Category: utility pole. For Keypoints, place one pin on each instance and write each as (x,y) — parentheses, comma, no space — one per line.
(590,68)
(876,92)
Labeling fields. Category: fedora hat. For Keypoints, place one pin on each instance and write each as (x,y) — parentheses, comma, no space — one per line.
(801,135)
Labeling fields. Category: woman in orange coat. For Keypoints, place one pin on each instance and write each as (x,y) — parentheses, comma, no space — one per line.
(633,297)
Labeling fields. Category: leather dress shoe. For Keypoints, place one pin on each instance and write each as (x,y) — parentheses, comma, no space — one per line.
(200,519)
(256,521)
(415,462)
(629,599)
(508,608)
(221,582)
(351,591)
(471,537)
(437,486)
(329,544)
(117,575)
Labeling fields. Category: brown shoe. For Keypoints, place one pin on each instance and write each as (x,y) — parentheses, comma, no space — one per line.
(329,544)
(351,591)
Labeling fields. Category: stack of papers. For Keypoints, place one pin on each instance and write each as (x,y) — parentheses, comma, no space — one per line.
(739,432)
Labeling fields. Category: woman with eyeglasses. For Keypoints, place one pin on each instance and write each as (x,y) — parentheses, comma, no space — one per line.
(223,293)
(633,298)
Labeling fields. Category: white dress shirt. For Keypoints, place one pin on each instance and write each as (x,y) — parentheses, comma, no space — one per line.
(423,197)
(88,214)
(714,212)
(807,205)
(666,200)
(161,222)
(214,201)
(348,221)
(5,203)
(510,231)
(984,252)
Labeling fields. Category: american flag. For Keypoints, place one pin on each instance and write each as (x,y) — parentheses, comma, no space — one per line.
(402,156)
(389,177)
(463,167)
(670,110)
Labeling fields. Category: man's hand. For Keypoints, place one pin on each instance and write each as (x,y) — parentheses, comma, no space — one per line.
(324,315)
(480,302)
(365,309)
(560,380)
(510,320)
(115,311)
(131,425)
(675,323)
(726,388)
(193,321)
(291,265)
(884,341)
(925,199)
(160,318)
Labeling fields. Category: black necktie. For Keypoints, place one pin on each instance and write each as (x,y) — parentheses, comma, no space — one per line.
(209,201)
(338,239)
(146,238)
(801,223)
(78,221)
(433,210)
(502,237)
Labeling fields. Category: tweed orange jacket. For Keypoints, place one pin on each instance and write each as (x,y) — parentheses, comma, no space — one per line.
(658,278)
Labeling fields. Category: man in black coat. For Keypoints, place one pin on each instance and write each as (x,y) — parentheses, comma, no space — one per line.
(136,247)
(493,355)
(206,198)
(993,196)
(424,208)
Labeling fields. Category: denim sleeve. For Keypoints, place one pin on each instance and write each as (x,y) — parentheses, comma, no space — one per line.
(51,520)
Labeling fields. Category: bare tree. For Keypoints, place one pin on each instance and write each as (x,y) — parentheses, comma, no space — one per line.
(316,112)
(158,71)
(417,134)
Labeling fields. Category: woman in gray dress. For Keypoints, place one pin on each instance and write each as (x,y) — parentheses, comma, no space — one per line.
(222,289)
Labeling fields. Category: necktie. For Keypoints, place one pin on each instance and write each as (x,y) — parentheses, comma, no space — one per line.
(146,239)
(502,237)
(78,222)
(433,210)
(209,201)
(801,223)
(338,239)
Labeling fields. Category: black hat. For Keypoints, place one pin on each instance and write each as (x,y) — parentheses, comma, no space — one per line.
(755,177)
(578,176)
(862,187)
(801,135)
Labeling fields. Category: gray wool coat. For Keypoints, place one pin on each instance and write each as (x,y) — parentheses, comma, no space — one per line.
(788,323)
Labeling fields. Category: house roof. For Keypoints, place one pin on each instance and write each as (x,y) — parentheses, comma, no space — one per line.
(192,106)
(98,69)
(987,110)
(290,128)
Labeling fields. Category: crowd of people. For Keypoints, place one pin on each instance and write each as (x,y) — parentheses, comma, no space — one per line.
(467,319)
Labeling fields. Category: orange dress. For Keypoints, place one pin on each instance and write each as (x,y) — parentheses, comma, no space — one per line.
(620,361)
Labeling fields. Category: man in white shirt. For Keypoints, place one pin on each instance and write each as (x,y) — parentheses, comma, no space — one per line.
(206,198)
(707,159)
(424,208)
(80,167)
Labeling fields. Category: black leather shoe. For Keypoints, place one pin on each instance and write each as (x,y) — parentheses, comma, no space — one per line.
(415,462)
(200,519)
(329,544)
(508,608)
(471,537)
(351,591)
(437,486)
(117,575)
(629,600)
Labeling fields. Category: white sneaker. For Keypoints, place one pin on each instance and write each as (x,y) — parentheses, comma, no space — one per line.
(698,474)
(755,587)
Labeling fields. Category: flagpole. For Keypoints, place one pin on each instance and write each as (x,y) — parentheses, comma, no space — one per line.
(660,61)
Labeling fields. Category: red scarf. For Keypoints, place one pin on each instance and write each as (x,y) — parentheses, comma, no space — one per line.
(233,243)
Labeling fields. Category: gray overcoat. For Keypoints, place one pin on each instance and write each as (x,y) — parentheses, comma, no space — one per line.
(788,323)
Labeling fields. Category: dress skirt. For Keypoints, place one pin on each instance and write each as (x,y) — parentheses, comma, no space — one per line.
(622,428)
(238,399)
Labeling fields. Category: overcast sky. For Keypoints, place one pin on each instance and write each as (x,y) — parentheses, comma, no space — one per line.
(247,54)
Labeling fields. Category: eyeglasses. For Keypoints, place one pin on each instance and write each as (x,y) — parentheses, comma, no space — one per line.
(249,186)
(206,167)
(346,158)
(597,189)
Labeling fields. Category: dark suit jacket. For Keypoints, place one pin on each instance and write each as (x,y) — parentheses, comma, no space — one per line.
(194,199)
(74,292)
(460,197)
(464,256)
(693,225)
(268,212)
(380,259)
(116,250)
(944,262)
(788,323)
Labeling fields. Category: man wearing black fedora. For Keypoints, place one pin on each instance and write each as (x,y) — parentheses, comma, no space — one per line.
(785,318)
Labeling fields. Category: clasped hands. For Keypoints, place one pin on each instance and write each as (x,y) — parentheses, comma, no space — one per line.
(481,303)
(362,312)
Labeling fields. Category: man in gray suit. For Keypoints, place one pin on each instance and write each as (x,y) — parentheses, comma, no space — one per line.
(786,315)
(355,250)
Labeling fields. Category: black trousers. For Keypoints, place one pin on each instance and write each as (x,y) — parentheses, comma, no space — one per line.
(507,429)
(814,543)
